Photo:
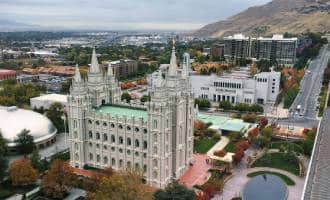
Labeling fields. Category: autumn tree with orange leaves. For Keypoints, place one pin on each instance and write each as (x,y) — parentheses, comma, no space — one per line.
(21,172)
(58,180)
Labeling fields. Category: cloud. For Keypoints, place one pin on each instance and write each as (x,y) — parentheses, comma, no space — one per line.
(118,14)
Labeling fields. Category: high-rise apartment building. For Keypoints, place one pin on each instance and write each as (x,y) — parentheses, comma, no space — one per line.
(277,49)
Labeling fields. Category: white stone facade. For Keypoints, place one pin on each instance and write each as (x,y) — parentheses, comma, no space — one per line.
(160,144)
(237,87)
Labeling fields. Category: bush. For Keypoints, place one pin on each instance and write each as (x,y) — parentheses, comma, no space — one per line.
(216,137)
(256,108)
(263,121)
(225,105)
(234,136)
(203,103)
(243,145)
(220,153)
(250,117)
(253,133)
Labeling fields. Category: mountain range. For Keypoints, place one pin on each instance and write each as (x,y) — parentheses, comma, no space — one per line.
(277,16)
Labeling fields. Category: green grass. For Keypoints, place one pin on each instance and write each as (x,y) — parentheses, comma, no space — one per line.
(202,145)
(293,146)
(230,147)
(286,179)
(283,161)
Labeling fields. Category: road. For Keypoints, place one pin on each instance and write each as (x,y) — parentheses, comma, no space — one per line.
(307,97)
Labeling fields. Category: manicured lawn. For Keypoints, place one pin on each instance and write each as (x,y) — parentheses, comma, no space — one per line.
(293,147)
(202,145)
(287,162)
(230,147)
(286,179)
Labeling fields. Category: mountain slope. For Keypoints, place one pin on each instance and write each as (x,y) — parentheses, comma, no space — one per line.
(278,16)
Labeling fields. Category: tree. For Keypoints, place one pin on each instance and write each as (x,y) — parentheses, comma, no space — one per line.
(175,191)
(3,158)
(24,141)
(37,163)
(203,103)
(145,98)
(21,172)
(256,108)
(55,113)
(123,185)
(239,154)
(65,86)
(202,196)
(127,97)
(263,121)
(58,180)
(225,105)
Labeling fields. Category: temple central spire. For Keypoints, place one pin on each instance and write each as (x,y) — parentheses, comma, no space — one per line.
(173,63)
(95,68)
(77,76)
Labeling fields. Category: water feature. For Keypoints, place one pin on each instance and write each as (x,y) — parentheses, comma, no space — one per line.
(264,187)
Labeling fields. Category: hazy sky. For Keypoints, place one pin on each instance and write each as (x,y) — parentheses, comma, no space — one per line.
(122,14)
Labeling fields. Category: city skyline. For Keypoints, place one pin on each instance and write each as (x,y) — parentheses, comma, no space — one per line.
(121,15)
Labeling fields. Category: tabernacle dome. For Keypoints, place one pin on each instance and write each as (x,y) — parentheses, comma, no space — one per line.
(14,120)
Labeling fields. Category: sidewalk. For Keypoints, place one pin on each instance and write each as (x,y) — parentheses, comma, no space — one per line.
(218,146)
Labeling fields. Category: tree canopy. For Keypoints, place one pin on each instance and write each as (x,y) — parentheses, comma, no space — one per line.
(3,159)
(21,172)
(24,140)
(55,113)
(123,185)
(58,180)
(175,191)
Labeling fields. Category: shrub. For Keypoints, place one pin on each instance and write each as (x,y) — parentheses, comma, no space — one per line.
(220,153)
(253,133)
(263,121)
(225,105)
(244,145)
(234,136)
(239,154)
(250,117)
(216,137)
(203,103)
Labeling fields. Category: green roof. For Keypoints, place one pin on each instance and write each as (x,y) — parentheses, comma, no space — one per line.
(123,111)
(224,123)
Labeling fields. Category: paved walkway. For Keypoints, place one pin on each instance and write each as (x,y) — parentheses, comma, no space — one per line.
(197,174)
(235,185)
(218,146)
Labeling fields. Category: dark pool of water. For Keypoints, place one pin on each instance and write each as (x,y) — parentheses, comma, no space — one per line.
(265,187)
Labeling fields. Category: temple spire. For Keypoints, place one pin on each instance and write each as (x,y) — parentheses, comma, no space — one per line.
(173,63)
(95,68)
(77,76)
(110,71)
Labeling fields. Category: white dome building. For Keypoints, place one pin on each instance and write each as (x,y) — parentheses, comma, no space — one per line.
(14,120)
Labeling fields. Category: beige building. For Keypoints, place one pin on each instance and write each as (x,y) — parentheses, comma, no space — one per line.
(156,137)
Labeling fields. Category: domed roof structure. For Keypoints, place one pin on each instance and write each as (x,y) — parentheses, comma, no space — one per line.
(14,120)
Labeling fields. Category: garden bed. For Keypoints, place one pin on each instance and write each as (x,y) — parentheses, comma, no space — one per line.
(286,179)
(283,161)
(287,146)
